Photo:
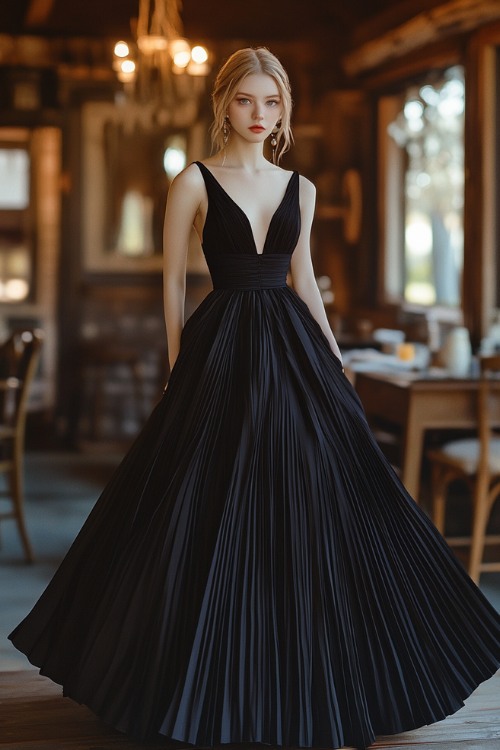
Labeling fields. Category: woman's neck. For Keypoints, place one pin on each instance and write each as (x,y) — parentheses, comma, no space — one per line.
(246,156)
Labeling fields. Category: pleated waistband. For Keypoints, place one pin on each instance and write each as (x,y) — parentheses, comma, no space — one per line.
(247,272)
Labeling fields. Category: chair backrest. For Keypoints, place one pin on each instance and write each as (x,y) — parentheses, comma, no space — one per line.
(490,373)
(19,356)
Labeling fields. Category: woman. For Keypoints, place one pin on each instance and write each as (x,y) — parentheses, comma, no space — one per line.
(255,571)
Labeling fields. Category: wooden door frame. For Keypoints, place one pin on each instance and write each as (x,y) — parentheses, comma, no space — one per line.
(480,255)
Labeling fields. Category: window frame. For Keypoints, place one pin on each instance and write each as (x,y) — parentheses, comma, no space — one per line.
(391,207)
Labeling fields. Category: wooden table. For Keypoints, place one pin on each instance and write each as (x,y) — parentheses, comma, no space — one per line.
(416,402)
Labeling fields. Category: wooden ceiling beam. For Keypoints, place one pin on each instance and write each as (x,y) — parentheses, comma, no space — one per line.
(393,14)
(38,13)
(453,17)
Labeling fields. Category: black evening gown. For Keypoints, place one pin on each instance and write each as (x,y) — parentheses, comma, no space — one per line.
(255,571)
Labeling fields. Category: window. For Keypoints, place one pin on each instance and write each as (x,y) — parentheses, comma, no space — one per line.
(15,247)
(14,178)
(424,185)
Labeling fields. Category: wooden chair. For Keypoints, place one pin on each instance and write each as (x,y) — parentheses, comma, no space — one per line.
(476,461)
(19,357)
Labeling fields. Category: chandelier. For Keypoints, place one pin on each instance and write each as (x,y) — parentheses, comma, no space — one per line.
(161,65)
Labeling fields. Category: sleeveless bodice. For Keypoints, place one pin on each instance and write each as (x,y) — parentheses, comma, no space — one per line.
(229,244)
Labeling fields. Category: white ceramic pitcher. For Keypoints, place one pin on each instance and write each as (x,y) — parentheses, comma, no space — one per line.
(457,352)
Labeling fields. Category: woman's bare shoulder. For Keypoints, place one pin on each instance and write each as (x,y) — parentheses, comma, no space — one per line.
(189,177)
(306,186)
(187,188)
(307,190)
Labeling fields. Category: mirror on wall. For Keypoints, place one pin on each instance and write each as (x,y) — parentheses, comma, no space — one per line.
(130,156)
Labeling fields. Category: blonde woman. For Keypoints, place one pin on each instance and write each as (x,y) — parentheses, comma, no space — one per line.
(255,571)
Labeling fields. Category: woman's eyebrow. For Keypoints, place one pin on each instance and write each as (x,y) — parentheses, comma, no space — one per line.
(269,96)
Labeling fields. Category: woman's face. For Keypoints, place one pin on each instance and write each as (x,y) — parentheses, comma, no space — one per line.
(255,108)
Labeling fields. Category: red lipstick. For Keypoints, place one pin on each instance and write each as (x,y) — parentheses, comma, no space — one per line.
(257,128)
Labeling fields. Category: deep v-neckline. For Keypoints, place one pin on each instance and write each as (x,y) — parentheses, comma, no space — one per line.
(242,212)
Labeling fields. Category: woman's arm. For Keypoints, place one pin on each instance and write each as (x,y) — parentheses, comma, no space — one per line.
(184,198)
(301,268)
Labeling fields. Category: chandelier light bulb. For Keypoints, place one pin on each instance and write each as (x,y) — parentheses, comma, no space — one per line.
(126,71)
(128,66)
(121,49)
(160,53)
(179,45)
(199,54)
(182,58)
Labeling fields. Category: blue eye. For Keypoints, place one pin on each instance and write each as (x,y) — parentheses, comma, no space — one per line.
(242,100)
(273,102)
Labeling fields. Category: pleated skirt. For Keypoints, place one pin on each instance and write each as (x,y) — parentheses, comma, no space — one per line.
(255,571)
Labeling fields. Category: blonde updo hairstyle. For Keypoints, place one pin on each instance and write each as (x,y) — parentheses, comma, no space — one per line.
(242,63)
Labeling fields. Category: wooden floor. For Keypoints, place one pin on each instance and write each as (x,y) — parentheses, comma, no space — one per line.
(34,716)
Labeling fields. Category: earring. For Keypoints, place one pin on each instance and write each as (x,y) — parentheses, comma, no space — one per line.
(274,141)
(225,130)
